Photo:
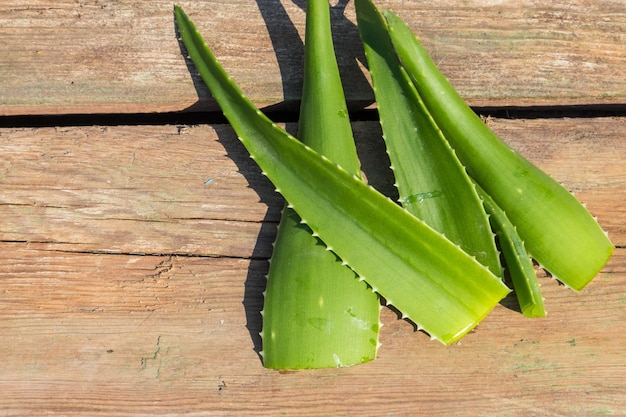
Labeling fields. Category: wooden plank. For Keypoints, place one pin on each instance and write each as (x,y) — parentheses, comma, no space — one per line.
(133,189)
(129,335)
(107,56)
(128,288)
(193,190)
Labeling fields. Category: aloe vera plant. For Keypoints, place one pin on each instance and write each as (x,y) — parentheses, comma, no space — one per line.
(558,231)
(317,313)
(432,183)
(518,262)
(430,279)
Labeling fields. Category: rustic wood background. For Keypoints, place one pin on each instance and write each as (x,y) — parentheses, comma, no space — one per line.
(130,285)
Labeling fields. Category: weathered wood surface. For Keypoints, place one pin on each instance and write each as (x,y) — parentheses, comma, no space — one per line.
(132,257)
(104,56)
(131,286)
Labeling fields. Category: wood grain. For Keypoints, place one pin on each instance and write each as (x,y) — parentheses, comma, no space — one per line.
(123,335)
(142,189)
(104,56)
(132,286)
(132,258)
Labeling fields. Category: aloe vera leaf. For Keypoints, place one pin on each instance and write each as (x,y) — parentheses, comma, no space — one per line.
(558,231)
(317,314)
(432,183)
(518,262)
(443,290)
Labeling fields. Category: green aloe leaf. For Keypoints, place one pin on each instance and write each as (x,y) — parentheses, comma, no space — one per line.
(518,261)
(558,231)
(430,279)
(317,314)
(432,183)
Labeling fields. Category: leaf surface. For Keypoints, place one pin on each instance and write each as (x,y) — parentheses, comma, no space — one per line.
(518,261)
(558,231)
(432,183)
(317,314)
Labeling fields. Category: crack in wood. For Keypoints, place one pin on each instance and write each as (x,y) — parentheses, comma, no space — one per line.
(180,119)
(146,360)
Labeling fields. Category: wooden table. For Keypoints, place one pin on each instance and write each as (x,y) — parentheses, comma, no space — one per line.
(135,231)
